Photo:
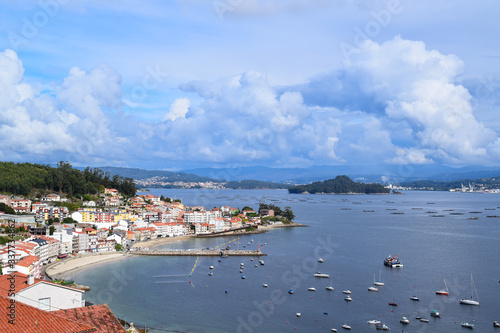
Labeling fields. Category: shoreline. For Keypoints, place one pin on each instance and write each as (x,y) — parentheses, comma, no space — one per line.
(61,268)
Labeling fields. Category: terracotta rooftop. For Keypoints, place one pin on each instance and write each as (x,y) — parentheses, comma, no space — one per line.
(31,319)
(98,316)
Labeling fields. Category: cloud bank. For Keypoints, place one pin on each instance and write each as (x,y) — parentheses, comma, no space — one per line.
(395,102)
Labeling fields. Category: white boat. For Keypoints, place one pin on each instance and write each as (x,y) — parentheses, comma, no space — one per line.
(471,301)
(348,298)
(311,289)
(320,260)
(434,313)
(261,262)
(346,327)
(444,291)
(346,292)
(382,327)
(321,275)
(330,288)
(414,298)
(372,289)
(468,325)
(211,267)
(379,282)
(374,322)
(298,314)
(333,330)
(496,324)
(424,320)
(404,320)
(264,285)
(210,273)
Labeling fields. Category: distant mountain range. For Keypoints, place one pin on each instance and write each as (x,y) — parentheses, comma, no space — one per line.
(364,173)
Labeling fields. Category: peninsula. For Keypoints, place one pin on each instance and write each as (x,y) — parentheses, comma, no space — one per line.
(339,185)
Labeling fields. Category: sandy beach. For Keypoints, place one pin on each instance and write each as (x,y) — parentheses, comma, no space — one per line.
(61,267)
(159,241)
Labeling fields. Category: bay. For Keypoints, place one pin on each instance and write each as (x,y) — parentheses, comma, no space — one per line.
(352,233)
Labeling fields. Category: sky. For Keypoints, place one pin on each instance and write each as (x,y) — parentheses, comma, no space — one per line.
(181,84)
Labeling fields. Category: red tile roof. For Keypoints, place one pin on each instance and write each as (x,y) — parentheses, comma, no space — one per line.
(98,316)
(31,319)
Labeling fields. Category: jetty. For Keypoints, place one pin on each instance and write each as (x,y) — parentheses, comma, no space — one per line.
(198,253)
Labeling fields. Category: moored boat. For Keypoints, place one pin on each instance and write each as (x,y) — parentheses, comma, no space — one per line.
(321,275)
(444,291)
(290,291)
(434,313)
(374,322)
(348,292)
(496,324)
(404,320)
(424,320)
(468,325)
(382,327)
(414,298)
(346,327)
(379,282)
(311,289)
(320,260)
(330,288)
(372,289)
(348,298)
(393,261)
(471,301)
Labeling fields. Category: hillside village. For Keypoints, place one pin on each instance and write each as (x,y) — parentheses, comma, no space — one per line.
(117,224)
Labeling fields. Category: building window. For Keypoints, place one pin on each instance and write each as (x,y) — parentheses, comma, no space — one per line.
(44,303)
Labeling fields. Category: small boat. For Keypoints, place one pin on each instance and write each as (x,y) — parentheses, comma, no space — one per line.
(211,267)
(210,273)
(348,292)
(468,325)
(311,289)
(434,313)
(264,285)
(414,298)
(374,322)
(418,317)
(251,259)
(382,327)
(393,304)
(471,301)
(330,288)
(290,291)
(424,320)
(372,289)
(379,282)
(404,320)
(320,260)
(444,291)
(241,271)
(243,277)
(346,327)
(333,330)
(321,275)
(242,264)
(348,298)
(261,262)
(298,314)
(256,265)
(496,324)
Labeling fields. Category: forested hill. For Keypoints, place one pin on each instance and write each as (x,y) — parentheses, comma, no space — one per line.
(23,178)
(339,185)
(140,174)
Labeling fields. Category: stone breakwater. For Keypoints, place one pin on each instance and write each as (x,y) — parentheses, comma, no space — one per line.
(198,253)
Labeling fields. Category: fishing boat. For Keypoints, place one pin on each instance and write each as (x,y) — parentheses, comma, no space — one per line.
(393,261)
(404,320)
(346,327)
(424,320)
(434,313)
(414,298)
(444,291)
(348,292)
(211,267)
(374,322)
(321,275)
(348,298)
(320,260)
(393,303)
(471,301)
(496,324)
(382,327)
(379,282)
(372,289)
(311,289)
(468,325)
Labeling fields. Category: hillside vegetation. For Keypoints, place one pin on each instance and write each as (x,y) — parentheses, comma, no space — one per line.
(339,185)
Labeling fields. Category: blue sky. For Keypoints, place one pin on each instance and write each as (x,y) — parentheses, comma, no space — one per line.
(281,83)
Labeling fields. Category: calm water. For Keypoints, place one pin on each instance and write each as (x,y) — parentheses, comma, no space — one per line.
(352,240)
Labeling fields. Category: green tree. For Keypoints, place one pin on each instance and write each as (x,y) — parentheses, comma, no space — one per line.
(51,230)
(288,214)
(6,209)
(118,247)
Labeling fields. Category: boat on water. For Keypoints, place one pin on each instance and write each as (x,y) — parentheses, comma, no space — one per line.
(330,288)
(414,298)
(379,282)
(393,261)
(393,304)
(261,262)
(496,324)
(468,325)
(434,313)
(444,291)
(346,327)
(210,273)
(404,320)
(243,277)
(382,327)
(372,289)
(321,275)
(374,322)
(299,314)
(311,289)
(333,330)
(471,301)
(211,267)
(424,320)
(320,260)
(348,292)
(264,285)
(348,298)
(290,291)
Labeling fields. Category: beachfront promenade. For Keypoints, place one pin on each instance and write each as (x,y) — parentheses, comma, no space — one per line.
(198,253)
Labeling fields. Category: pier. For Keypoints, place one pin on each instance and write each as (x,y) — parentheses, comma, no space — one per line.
(198,253)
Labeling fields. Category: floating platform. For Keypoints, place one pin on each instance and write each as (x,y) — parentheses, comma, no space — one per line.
(199,253)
